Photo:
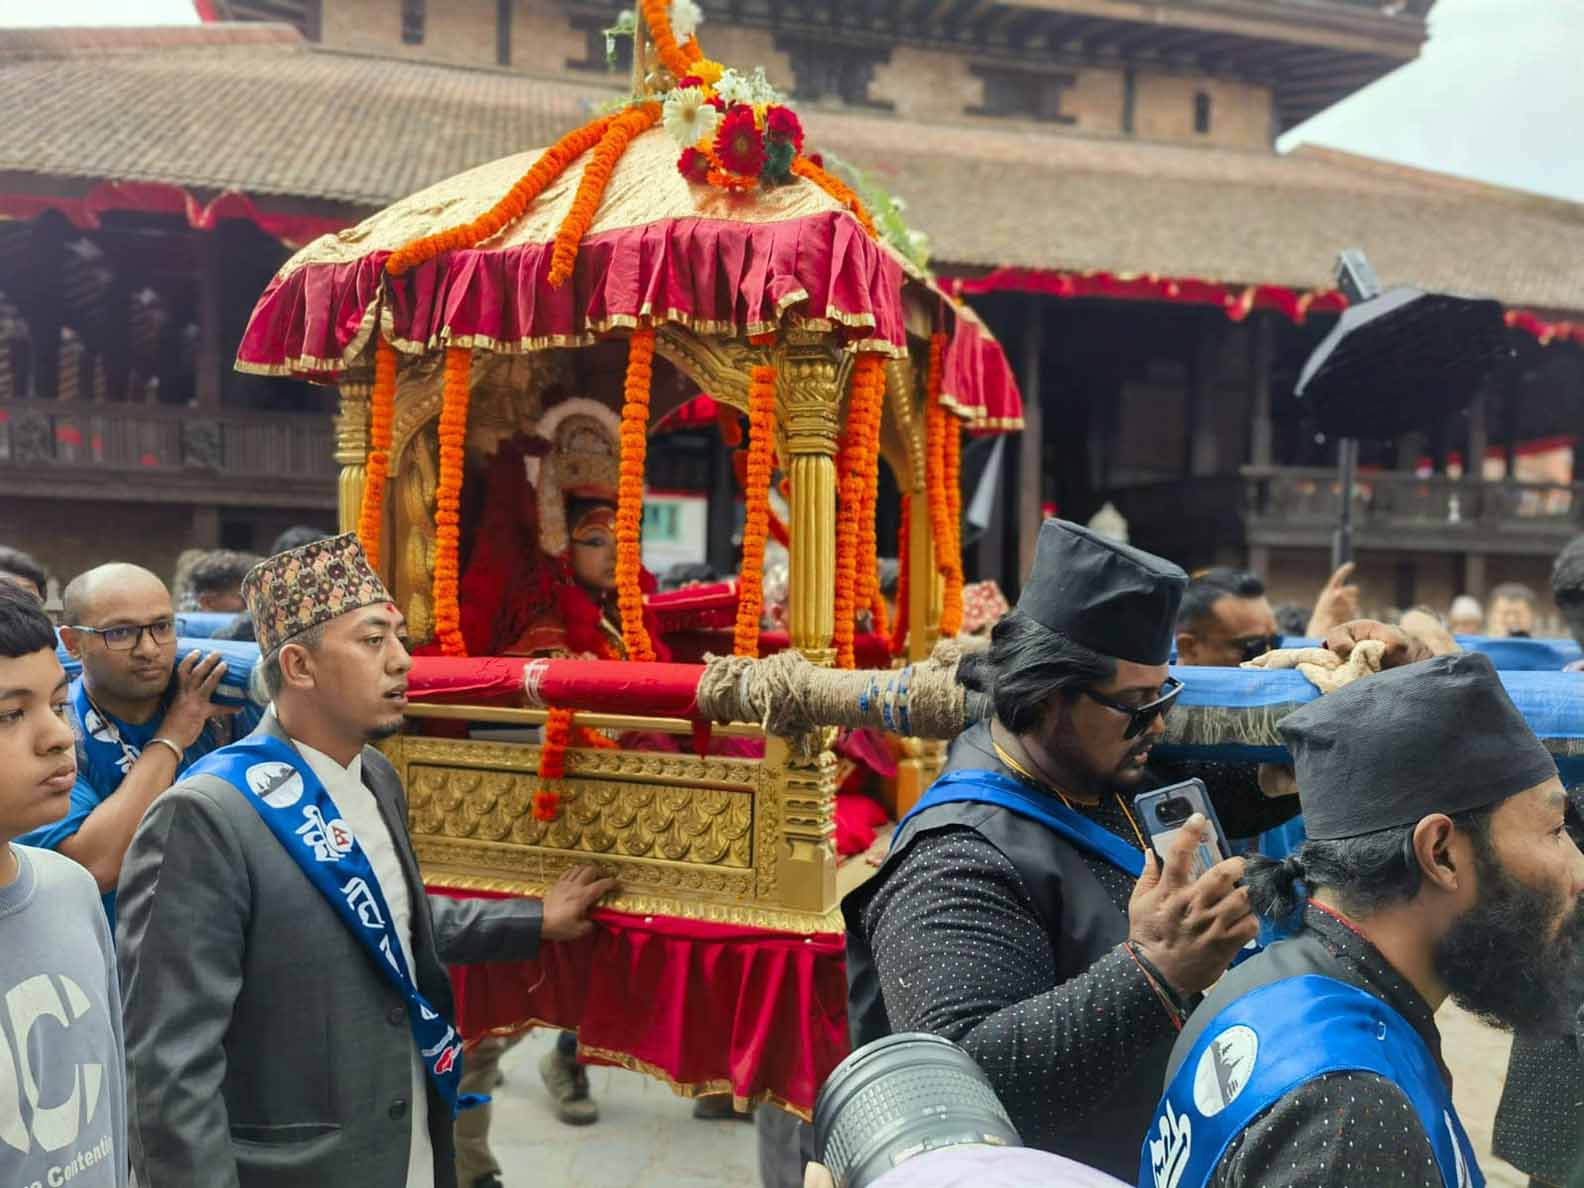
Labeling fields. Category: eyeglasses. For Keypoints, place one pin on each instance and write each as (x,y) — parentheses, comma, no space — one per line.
(1140,717)
(1255,646)
(124,639)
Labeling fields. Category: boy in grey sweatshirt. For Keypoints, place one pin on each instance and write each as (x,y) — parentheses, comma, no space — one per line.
(62,1059)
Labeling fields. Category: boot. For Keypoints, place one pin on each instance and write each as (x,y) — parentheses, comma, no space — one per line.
(567,1083)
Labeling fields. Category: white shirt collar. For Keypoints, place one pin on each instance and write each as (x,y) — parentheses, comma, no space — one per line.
(326,768)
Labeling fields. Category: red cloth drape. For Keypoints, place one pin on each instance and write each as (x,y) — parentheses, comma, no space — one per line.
(707,1007)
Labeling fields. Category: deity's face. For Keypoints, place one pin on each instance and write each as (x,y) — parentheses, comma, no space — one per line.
(594,548)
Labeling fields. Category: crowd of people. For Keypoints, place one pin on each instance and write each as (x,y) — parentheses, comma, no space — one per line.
(248,981)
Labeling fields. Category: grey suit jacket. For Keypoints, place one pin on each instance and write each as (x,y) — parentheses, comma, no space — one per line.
(265,1049)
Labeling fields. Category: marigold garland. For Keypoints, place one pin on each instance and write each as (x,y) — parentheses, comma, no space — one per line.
(937,435)
(448,500)
(899,629)
(552,163)
(629,493)
(756,500)
(860,448)
(837,189)
(951,473)
(674,57)
(617,136)
(552,763)
(382,414)
(867,592)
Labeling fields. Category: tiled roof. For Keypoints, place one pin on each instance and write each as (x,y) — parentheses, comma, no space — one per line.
(264,113)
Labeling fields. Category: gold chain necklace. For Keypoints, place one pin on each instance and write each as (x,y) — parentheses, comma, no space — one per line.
(1028,777)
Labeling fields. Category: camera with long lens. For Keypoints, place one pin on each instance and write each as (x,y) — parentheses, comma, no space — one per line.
(914,1111)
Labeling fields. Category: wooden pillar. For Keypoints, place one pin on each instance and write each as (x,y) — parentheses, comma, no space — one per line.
(1510,424)
(722,513)
(47,242)
(1474,578)
(205,528)
(209,363)
(1262,358)
(1199,453)
(503,32)
(352,429)
(1031,444)
(1478,440)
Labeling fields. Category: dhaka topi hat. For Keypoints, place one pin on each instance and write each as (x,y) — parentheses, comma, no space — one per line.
(297,590)
(1109,597)
(1440,736)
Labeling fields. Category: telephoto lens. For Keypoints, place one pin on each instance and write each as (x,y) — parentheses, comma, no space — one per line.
(900,1097)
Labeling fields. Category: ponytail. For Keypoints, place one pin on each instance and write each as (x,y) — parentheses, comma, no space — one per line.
(1274,885)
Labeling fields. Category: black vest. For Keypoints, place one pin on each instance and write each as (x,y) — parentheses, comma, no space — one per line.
(1082,925)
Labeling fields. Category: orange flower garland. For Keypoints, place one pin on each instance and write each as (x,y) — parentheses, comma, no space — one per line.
(948,553)
(867,593)
(382,414)
(837,189)
(629,493)
(951,474)
(756,499)
(448,500)
(857,477)
(552,764)
(591,187)
(899,630)
(550,165)
(675,58)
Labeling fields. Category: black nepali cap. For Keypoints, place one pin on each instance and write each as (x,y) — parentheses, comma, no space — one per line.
(1109,597)
(1440,736)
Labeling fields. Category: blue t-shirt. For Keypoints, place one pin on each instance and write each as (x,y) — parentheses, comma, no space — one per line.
(101,766)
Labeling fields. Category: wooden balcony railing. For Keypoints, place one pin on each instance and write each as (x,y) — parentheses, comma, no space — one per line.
(1398,509)
(147,448)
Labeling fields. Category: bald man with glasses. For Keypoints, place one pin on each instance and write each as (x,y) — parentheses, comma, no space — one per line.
(140,718)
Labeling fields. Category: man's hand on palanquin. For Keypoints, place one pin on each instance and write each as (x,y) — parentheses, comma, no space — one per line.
(568,903)
(1401,647)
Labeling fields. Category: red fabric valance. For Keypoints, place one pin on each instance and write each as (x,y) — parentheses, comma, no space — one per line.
(709,1008)
(716,275)
(86,211)
(1237,300)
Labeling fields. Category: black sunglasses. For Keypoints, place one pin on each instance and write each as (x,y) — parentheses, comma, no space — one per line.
(1255,646)
(1140,717)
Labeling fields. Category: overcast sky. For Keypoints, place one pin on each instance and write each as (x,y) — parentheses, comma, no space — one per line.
(1498,93)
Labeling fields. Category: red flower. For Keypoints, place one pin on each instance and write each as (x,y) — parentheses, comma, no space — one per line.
(717,103)
(781,123)
(817,160)
(694,166)
(739,147)
(690,80)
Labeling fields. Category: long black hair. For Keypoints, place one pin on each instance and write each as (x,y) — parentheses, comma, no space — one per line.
(1367,873)
(1026,665)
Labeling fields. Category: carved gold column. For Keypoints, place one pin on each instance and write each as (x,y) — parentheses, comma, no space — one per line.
(810,371)
(352,430)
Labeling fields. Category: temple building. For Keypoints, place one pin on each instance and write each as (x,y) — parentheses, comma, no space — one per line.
(1098,177)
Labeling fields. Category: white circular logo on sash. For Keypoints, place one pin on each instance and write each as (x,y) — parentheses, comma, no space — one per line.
(1225,1067)
(276,784)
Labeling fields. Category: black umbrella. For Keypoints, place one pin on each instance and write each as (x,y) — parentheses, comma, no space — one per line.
(1395,362)
(1400,360)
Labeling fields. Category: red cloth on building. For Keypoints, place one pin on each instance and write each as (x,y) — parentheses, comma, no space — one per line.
(707,1007)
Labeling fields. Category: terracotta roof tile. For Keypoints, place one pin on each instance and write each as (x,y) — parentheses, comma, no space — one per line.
(274,116)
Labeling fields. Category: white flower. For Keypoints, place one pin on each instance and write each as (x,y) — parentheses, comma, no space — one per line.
(763,91)
(685,18)
(734,88)
(687,117)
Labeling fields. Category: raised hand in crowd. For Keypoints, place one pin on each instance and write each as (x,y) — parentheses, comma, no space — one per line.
(1338,603)
(1190,928)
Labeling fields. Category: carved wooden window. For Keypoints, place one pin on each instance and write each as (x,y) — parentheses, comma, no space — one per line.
(595,59)
(831,70)
(412,22)
(1202,112)
(1023,94)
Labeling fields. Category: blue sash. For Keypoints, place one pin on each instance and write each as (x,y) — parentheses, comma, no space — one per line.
(976,786)
(1269,1042)
(275,779)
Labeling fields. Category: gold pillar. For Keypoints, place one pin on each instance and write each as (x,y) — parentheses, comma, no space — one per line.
(810,371)
(352,443)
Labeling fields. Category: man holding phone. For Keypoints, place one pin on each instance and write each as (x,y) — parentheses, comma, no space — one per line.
(1022,912)
(141,719)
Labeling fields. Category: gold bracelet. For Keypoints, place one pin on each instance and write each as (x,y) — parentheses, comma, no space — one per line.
(165,742)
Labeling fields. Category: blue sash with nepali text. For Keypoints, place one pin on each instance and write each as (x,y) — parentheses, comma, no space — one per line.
(1269,1042)
(275,779)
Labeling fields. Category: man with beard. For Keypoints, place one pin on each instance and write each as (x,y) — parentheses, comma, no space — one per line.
(287,1010)
(1020,913)
(1318,1062)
